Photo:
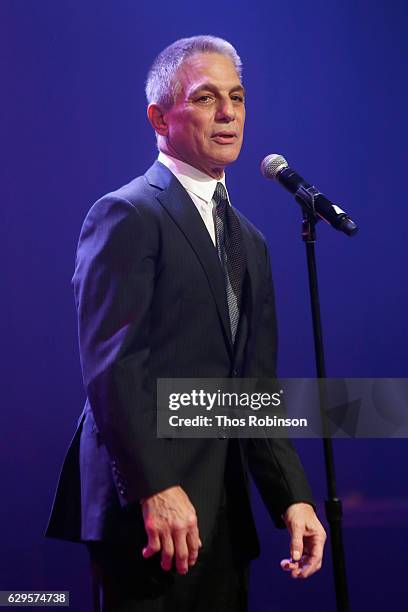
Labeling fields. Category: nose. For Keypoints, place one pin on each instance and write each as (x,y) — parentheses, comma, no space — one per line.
(225,111)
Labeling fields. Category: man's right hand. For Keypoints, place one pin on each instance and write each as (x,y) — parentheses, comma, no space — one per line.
(171,525)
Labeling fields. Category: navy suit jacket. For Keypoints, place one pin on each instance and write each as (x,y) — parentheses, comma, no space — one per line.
(151,303)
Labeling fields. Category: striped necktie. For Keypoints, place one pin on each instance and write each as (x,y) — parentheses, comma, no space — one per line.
(231,251)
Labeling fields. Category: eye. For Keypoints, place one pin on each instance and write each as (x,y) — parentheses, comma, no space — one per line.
(204,98)
(237,98)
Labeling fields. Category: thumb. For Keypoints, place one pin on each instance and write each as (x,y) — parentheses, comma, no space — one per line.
(296,545)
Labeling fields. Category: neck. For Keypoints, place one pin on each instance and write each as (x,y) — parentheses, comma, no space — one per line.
(215,173)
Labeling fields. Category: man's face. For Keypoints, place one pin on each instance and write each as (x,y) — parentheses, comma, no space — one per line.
(206,123)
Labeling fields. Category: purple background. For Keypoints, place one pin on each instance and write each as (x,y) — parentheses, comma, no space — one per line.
(327,88)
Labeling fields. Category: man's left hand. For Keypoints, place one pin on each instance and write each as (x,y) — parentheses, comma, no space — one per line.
(307,541)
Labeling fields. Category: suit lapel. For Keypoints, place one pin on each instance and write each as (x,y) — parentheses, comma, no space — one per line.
(179,205)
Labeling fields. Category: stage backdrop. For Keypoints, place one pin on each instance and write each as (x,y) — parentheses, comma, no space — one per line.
(327,88)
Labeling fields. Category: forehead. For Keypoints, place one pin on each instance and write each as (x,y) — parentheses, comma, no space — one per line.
(213,68)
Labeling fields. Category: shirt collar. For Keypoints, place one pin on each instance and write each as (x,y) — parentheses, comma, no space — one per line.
(193,180)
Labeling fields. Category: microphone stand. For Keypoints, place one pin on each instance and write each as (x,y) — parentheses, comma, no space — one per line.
(333,504)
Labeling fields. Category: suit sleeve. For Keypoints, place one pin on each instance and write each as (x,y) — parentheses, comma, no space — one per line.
(273,462)
(114,284)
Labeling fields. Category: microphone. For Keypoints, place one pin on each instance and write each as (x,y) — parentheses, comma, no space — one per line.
(276,167)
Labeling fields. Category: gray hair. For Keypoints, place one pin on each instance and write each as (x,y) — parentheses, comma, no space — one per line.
(161,86)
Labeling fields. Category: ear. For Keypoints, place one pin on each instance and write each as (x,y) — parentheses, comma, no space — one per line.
(156,117)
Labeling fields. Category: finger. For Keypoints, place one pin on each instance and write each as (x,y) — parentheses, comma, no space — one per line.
(193,539)
(153,544)
(288,565)
(312,559)
(309,570)
(193,549)
(296,573)
(296,544)
(193,533)
(304,568)
(315,546)
(292,567)
(181,550)
(167,551)
(310,565)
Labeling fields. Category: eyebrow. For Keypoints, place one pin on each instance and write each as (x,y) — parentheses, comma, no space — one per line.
(211,87)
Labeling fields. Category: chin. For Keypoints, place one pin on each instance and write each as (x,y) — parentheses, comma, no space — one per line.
(228,158)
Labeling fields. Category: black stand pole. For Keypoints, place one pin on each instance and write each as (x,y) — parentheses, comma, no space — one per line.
(333,503)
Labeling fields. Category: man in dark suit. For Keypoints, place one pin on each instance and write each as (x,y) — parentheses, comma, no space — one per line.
(171,281)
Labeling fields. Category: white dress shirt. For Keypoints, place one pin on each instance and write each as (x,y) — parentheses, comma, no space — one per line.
(200,188)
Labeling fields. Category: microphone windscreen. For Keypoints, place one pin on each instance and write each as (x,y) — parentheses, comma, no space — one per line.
(272,164)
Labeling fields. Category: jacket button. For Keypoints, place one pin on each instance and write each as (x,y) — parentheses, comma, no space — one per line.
(235,373)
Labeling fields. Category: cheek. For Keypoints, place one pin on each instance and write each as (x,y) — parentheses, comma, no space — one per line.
(185,135)
(203,131)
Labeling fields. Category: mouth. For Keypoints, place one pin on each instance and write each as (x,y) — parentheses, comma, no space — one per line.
(225,137)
